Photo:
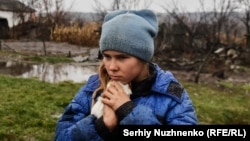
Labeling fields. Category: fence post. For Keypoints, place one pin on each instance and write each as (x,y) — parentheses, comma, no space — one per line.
(0,45)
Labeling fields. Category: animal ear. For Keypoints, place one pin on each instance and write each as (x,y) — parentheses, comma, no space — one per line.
(126,88)
(108,84)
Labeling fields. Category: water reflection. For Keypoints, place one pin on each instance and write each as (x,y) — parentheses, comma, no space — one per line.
(61,72)
(14,68)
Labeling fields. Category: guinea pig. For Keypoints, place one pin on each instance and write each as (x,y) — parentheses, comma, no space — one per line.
(97,109)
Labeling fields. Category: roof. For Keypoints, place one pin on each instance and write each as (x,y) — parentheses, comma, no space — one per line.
(14,6)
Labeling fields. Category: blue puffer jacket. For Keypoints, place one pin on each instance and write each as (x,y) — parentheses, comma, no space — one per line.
(168,103)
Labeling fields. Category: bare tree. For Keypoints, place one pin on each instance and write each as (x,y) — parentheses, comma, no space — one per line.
(49,14)
(102,9)
(216,22)
(245,5)
(208,27)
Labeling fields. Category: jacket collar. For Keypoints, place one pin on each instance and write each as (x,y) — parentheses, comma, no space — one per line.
(143,87)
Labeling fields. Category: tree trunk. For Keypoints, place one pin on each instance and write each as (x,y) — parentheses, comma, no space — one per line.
(248,41)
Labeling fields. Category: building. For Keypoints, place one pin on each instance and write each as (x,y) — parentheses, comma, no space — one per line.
(13,12)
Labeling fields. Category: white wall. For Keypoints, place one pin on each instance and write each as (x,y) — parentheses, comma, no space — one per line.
(12,18)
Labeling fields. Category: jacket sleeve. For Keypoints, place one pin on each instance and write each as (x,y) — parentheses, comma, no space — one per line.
(182,111)
(76,123)
(136,114)
(173,108)
(173,112)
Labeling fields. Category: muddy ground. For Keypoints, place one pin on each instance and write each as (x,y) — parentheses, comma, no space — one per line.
(39,48)
(13,50)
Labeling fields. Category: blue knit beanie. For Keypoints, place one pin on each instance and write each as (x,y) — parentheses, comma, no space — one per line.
(130,32)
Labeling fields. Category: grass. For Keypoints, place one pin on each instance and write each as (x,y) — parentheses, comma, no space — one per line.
(29,108)
(217,106)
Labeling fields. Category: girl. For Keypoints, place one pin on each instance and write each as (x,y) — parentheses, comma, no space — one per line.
(127,46)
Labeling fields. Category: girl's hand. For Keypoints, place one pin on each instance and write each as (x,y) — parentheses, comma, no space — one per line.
(114,96)
(109,117)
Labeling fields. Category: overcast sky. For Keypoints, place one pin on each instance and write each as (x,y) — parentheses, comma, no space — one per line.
(185,5)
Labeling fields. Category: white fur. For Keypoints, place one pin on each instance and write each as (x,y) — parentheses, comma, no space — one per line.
(97,109)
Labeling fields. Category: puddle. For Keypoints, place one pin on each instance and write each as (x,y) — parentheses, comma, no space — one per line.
(61,72)
(53,73)
(14,68)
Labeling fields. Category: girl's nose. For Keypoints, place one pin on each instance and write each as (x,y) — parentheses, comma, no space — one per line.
(113,65)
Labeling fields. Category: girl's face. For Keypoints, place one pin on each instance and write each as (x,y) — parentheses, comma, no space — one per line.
(123,67)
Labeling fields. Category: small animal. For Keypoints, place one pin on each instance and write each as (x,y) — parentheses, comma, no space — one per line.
(97,109)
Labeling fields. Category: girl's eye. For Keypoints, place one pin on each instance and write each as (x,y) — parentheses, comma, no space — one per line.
(118,57)
(122,57)
(106,57)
